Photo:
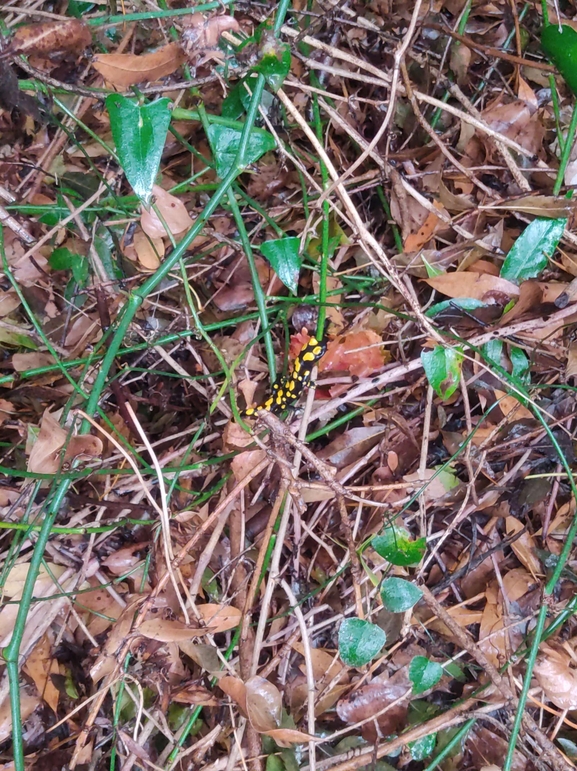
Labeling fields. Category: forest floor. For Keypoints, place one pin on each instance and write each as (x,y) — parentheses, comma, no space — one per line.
(288,324)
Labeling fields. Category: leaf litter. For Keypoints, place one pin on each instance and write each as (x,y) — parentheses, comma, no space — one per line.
(217,592)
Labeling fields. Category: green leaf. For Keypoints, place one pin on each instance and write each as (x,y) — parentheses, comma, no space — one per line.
(360,641)
(232,105)
(225,141)
(521,364)
(275,63)
(396,546)
(528,255)
(139,132)
(424,674)
(399,595)
(63,259)
(16,339)
(443,369)
(561,48)
(492,352)
(422,748)
(283,255)
(467,303)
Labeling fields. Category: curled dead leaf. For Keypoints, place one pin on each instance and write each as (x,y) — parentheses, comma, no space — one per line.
(125,70)
(201,34)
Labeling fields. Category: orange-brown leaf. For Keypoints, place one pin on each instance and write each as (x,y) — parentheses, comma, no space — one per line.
(479,286)
(124,70)
(361,353)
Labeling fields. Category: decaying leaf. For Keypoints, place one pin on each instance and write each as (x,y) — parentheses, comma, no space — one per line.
(263,704)
(125,70)
(171,209)
(50,37)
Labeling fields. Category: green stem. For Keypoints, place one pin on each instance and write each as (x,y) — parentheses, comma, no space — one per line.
(566,153)
(110,20)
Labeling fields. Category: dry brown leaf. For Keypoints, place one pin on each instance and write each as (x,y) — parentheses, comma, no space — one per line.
(263,704)
(555,677)
(172,210)
(416,241)
(22,362)
(145,250)
(28,704)
(123,560)
(9,301)
(40,665)
(352,445)
(83,447)
(106,661)
(169,630)
(479,286)
(195,694)
(44,456)
(245,462)
(361,353)
(363,703)
(235,689)
(571,370)
(524,547)
(219,618)
(286,737)
(509,404)
(201,34)
(125,70)
(538,205)
(51,37)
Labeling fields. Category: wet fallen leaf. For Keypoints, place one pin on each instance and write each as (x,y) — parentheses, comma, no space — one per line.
(201,34)
(22,362)
(263,704)
(125,70)
(40,664)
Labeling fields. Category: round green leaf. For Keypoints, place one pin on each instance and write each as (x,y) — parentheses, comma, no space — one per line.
(360,641)
(466,303)
(561,47)
(424,674)
(399,595)
(396,546)
(443,369)
(284,258)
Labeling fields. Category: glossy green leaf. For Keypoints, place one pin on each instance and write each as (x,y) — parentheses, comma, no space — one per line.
(561,47)
(360,641)
(529,254)
(521,364)
(424,674)
(139,132)
(232,104)
(467,303)
(399,595)
(396,546)
(225,141)
(275,63)
(284,257)
(492,352)
(443,369)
